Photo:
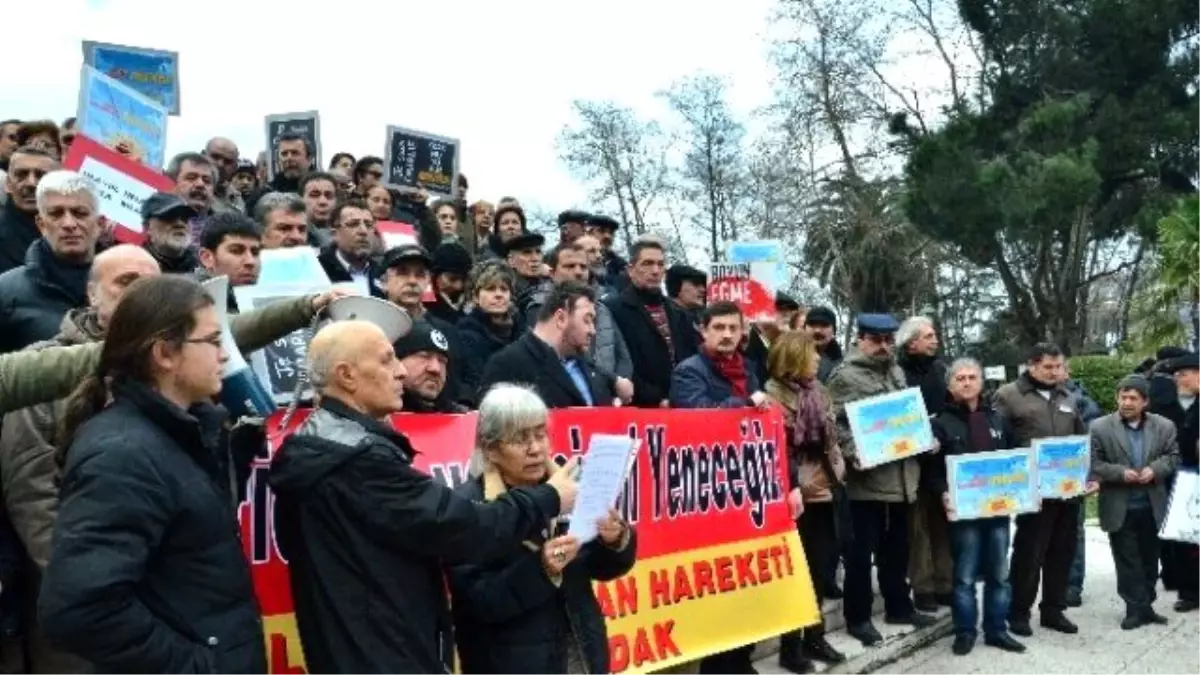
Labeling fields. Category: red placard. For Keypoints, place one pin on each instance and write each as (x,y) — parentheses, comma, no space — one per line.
(122,184)
(744,286)
(707,496)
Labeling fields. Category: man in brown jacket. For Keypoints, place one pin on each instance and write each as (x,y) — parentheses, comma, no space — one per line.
(1038,406)
(29,465)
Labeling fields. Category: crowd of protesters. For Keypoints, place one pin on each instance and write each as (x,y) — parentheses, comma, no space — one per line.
(119,547)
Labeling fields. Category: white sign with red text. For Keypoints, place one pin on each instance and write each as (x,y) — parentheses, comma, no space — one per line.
(122,184)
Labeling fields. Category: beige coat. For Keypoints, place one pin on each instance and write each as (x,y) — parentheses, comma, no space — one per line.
(814,481)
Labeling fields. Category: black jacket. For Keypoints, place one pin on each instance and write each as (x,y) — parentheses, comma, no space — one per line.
(338,274)
(147,572)
(479,342)
(652,363)
(1187,427)
(443,310)
(756,352)
(831,357)
(509,617)
(280,183)
(951,431)
(17,231)
(531,361)
(928,373)
(34,298)
(365,535)
(184,264)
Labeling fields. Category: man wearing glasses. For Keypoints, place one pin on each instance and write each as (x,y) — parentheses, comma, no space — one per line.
(879,496)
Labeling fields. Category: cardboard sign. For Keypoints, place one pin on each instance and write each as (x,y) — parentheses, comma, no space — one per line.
(307,124)
(750,286)
(1182,522)
(121,185)
(417,159)
(121,118)
(152,72)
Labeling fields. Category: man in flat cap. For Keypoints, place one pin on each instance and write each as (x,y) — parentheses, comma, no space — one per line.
(571,225)
(1182,409)
(524,255)
(408,269)
(1134,452)
(821,325)
(879,496)
(425,355)
(165,217)
(605,229)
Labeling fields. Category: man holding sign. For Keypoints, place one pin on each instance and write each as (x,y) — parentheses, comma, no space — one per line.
(879,495)
(1038,406)
(980,546)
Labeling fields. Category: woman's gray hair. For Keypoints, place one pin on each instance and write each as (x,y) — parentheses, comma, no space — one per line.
(959,364)
(910,328)
(505,410)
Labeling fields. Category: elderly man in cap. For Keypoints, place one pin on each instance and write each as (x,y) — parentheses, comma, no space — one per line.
(425,355)
(1183,411)
(166,221)
(524,254)
(821,325)
(1134,452)
(879,496)
(605,229)
(572,224)
(408,271)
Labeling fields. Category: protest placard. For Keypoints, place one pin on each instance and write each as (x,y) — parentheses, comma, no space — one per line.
(153,72)
(725,549)
(286,273)
(1182,522)
(769,251)
(395,233)
(121,185)
(418,159)
(995,374)
(991,484)
(306,124)
(1063,466)
(890,427)
(122,118)
(749,285)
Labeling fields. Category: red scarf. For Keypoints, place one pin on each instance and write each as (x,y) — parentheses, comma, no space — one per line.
(732,367)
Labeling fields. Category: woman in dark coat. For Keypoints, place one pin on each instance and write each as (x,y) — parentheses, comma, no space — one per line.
(490,324)
(147,572)
(533,611)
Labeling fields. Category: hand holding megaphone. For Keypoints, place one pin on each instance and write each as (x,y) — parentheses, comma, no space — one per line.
(322,300)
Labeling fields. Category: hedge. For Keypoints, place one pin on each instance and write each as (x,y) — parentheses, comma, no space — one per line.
(1100,376)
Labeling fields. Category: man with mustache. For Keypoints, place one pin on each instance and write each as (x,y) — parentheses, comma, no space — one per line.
(165,218)
(294,159)
(408,270)
(195,179)
(53,279)
(18,230)
(719,376)
(223,153)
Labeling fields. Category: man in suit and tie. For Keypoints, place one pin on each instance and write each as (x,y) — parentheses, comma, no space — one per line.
(552,356)
(1134,452)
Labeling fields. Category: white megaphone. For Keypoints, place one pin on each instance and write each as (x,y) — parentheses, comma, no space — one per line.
(242,393)
(391,319)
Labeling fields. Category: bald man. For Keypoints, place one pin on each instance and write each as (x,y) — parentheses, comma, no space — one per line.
(360,525)
(223,153)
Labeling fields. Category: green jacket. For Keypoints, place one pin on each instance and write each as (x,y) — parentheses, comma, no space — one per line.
(31,377)
(854,379)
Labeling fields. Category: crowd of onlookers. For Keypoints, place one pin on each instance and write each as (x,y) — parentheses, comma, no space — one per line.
(120,498)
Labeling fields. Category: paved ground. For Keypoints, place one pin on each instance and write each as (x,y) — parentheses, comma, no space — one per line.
(1099,647)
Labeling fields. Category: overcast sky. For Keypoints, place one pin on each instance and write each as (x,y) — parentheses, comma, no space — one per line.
(500,76)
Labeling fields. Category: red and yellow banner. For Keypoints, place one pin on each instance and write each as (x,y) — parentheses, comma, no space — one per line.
(719,562)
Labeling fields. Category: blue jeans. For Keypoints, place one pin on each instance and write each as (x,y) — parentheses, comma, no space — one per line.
(1079,564)
(980,549)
